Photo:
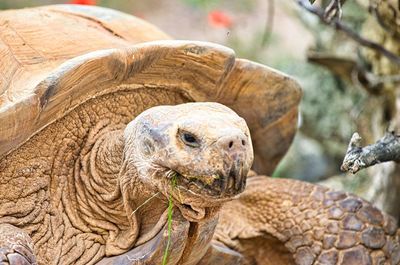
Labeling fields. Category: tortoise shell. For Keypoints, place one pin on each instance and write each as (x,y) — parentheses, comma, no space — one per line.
(67,55)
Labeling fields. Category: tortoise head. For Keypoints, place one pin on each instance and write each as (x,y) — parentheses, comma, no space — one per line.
(197,153)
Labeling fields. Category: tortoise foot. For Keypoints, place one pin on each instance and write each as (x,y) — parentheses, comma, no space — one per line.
(16,247)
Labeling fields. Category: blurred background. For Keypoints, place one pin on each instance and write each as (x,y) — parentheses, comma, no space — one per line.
(332,69)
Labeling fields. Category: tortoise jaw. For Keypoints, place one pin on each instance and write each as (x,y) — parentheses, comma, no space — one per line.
(193,195)
(212,187)
(191,212)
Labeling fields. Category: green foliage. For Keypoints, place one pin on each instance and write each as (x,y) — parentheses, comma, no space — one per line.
(354,15)
(202,3)
(235,6)
(329,111)
(329,107)
(4,5)
(252,48)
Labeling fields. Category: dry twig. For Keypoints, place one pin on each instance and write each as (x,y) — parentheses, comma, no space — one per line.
(357,157)
(334,10)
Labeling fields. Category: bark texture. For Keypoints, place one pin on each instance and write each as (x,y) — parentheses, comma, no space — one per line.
(358,157)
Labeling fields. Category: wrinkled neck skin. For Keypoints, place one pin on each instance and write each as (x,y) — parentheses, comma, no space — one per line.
(123,201)
(142,207)
(106,205)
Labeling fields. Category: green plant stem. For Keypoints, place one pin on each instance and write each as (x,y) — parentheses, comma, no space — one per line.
(169,222)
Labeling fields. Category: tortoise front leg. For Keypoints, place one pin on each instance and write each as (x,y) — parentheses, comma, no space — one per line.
(16,247)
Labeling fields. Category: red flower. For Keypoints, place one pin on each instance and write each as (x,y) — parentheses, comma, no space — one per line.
(83,2)
(219,19)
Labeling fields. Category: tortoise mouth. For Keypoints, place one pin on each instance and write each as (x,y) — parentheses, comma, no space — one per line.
(195,194)
(204,185)
(213,186)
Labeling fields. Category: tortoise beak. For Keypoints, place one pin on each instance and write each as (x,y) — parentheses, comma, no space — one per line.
(234,181)
(235,149)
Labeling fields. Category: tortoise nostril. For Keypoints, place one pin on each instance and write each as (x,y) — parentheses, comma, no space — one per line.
(234,144)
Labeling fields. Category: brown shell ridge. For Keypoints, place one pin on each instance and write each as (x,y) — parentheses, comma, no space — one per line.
(73,82)
(237,83)
(103,49)
(101,23)
(101,16)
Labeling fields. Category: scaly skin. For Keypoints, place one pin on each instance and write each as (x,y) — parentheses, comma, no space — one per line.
(284,221)
(48,187)
(88,186)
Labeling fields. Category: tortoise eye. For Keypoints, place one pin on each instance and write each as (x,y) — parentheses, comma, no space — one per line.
(190,139)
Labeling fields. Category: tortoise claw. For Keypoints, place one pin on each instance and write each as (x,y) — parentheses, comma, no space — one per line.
(18,259)
(16,246)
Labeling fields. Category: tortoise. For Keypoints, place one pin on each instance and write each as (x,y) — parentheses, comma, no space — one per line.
(119,145)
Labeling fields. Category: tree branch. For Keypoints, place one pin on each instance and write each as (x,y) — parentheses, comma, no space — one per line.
(357,157)
(334,10)
(348,31)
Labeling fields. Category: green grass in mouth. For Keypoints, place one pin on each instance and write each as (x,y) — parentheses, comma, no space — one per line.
(169,220)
